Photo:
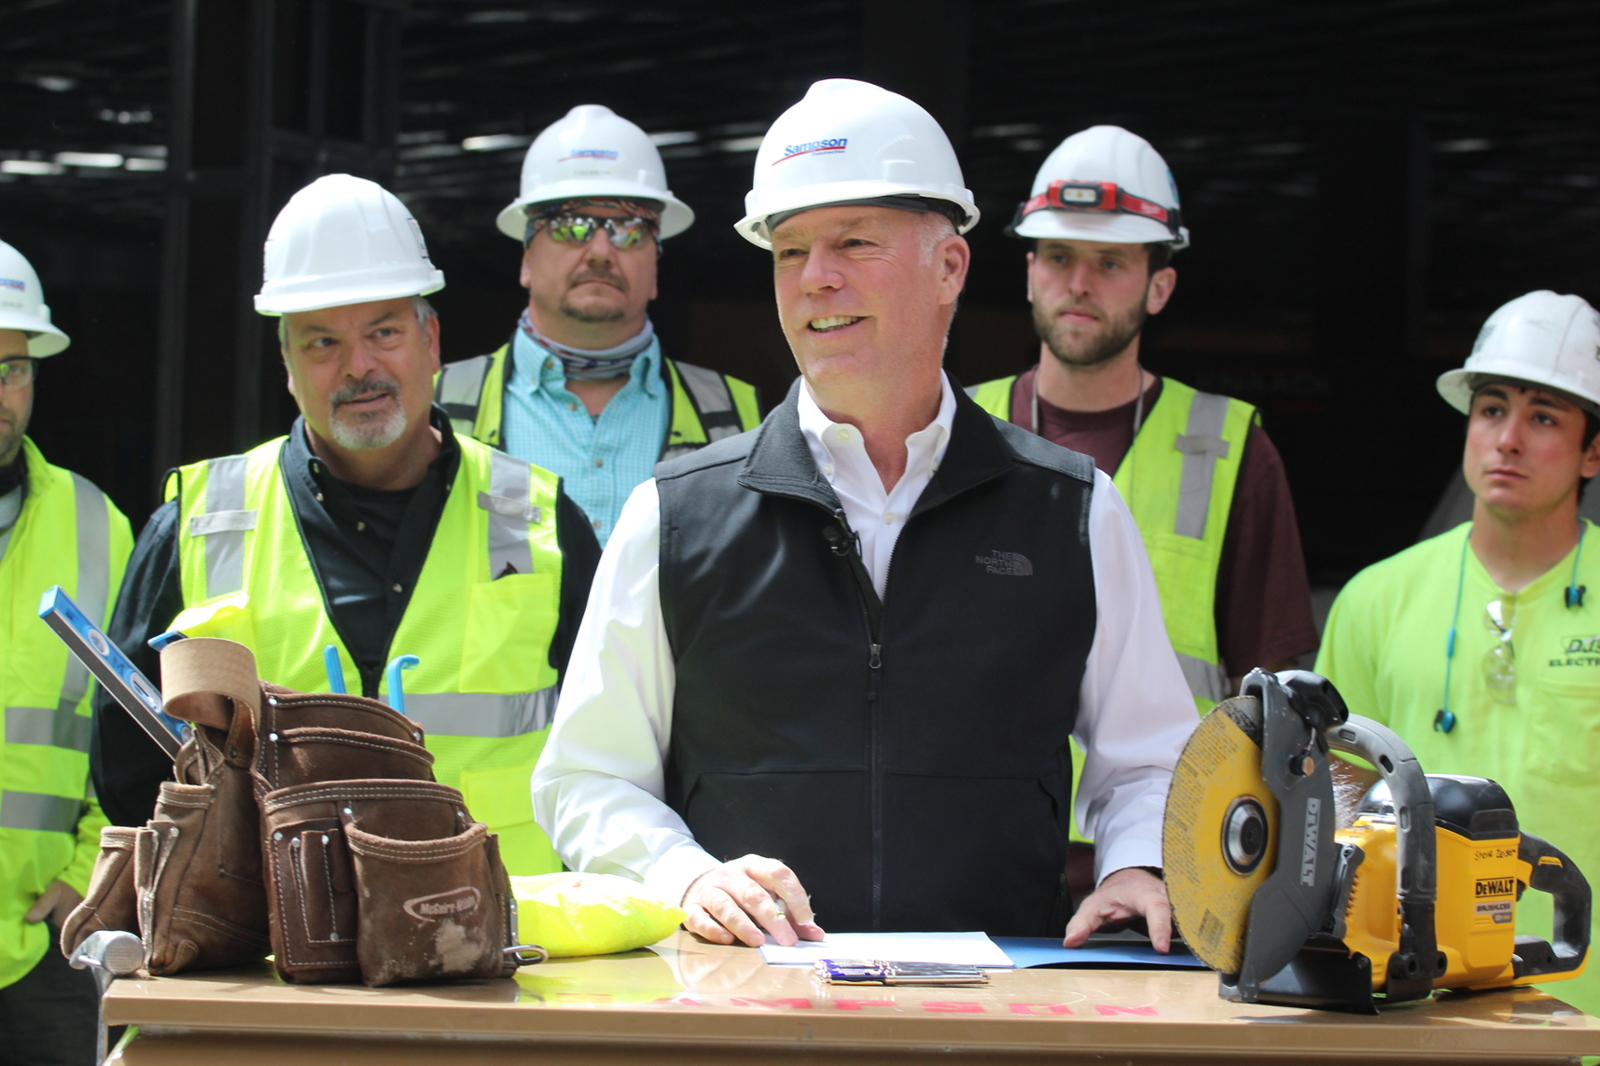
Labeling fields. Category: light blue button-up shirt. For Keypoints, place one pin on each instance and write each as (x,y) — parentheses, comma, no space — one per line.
(600,460)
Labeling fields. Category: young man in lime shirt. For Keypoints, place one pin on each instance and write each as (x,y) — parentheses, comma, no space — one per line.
(1481,646)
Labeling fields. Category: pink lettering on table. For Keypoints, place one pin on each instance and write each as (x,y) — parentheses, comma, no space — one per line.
(795,1003)
(857,1004)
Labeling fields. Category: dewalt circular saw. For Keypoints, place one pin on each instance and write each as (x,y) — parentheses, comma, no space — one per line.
(1419,892)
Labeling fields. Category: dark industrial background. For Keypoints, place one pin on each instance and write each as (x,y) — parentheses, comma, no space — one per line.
(1365,181)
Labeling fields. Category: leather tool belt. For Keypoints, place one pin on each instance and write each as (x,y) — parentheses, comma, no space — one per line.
(307,825)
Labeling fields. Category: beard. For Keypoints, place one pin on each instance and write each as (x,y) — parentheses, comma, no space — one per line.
(367,430)
(593,314)
(11,432)
(1087,351)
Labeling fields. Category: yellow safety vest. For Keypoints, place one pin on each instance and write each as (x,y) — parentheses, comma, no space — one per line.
(706,405)
(69,534)
(1178,479)
(480,619)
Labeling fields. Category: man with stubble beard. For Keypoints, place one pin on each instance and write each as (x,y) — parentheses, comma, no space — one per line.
(1206,486)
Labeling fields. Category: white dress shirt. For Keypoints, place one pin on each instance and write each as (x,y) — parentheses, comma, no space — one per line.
(876,516)
(599,786)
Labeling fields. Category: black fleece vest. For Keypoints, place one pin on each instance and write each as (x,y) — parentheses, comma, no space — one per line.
(907,758)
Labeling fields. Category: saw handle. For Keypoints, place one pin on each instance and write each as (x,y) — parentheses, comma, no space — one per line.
(1413,968)
(1550,871)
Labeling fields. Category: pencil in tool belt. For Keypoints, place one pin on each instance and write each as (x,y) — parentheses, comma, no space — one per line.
(876,972)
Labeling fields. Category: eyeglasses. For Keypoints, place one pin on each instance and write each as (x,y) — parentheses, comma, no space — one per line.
(1499,662)
(16,373)
(581,229)
(1105,197)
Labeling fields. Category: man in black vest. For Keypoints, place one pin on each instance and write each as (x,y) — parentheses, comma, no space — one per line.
(763,721)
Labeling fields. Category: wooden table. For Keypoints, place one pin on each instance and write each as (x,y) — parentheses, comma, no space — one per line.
(689,1002)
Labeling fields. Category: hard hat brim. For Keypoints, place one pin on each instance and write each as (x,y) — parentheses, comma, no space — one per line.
(291,302)
(753,227)
(44,340)
(1458,386)
(676,216)
(1052,223)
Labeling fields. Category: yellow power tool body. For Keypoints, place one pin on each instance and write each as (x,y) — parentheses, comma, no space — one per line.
(1418,893)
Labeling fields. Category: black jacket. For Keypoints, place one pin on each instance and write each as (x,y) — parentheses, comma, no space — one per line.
(908,757)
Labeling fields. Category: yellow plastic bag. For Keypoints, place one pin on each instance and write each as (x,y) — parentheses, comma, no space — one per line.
(590,914)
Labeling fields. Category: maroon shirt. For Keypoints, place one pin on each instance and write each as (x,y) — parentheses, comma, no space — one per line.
(1263,598)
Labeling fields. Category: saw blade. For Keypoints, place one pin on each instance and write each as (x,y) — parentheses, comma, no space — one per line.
(1220,833)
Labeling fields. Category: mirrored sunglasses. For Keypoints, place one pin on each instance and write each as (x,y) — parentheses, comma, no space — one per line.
(581,229)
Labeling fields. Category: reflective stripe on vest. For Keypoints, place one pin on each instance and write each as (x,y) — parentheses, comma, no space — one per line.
(706,405)
(1202,446)
(459,391)
(61,726)
(40,811)
(224,525)
(509,516)
(483,714)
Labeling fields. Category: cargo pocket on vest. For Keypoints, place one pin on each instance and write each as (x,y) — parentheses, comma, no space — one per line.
(510,623)
(503,800)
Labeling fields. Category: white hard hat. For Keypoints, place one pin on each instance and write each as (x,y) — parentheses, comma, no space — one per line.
(593,151)
(1103,184)
(22,304)
(343,240)
(1544,339)
(848,141)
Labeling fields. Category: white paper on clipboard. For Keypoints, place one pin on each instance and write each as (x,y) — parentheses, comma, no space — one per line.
(953,949)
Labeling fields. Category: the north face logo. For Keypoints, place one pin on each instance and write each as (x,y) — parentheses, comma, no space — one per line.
(457,901)
(1010,564)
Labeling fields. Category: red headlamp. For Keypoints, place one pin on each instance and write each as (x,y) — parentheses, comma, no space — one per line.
(1099,196)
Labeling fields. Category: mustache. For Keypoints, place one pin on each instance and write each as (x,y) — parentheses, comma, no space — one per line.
(592,274)
(366,387)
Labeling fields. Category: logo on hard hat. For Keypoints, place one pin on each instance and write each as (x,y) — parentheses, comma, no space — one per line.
(12,283)
(590,153)
(827,145)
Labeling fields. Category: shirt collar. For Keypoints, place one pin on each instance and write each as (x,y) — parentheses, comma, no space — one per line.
(534,368)
(823,433)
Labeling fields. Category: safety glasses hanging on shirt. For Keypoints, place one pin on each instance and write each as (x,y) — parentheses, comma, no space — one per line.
(581,229)
(1101,197)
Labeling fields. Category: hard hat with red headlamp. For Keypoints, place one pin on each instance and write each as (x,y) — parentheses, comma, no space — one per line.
(1103,184)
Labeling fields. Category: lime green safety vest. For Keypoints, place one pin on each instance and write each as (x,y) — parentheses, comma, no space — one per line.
(480,619)
(66,534)
(1178,480)
(706,405)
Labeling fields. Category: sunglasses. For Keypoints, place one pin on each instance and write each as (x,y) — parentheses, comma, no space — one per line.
(581,229)
(1500,662)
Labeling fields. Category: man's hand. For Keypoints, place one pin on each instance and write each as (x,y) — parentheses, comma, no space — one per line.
(721,904)
(55,903)
(1128,893)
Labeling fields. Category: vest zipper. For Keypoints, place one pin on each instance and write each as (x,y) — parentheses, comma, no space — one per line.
(843,541)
